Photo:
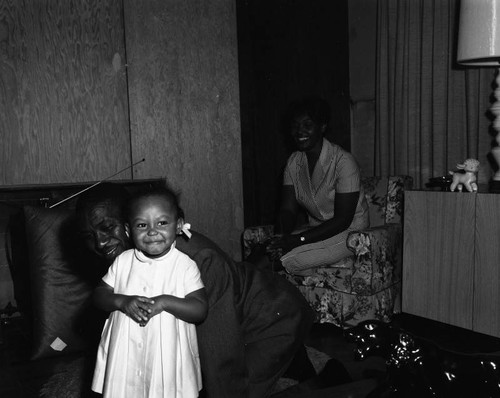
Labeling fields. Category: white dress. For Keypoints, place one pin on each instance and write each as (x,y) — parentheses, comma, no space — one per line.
(160,359)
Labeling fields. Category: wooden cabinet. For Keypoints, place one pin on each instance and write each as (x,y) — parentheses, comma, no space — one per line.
(451,258)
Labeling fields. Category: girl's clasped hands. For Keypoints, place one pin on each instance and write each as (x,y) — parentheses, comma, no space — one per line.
(139,308)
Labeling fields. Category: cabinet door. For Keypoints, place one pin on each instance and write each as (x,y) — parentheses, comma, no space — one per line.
(438,256)
(487,271)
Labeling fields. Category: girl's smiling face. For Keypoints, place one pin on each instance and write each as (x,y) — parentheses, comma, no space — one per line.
(154,225)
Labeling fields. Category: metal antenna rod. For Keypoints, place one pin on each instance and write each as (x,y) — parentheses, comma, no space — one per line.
(97,183)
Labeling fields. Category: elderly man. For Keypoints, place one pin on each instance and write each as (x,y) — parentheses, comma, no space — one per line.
(256,321)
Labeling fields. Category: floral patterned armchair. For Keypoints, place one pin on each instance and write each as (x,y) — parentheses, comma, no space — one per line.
(366,285)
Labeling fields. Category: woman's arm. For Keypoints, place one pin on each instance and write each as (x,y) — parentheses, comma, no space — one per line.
(193,308)
(136,307)
(345,207)
(344,210)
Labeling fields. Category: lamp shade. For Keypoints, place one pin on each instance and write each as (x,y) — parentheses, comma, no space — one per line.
(479,33)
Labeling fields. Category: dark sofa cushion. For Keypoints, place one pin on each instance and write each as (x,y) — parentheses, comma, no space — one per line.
(61,279)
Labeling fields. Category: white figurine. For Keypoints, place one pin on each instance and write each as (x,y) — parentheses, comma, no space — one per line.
(467,179)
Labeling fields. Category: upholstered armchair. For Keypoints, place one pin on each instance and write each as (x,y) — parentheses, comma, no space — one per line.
(367,284)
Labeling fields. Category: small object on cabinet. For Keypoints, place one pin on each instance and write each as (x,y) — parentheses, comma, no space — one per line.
(442,182)
(467,176)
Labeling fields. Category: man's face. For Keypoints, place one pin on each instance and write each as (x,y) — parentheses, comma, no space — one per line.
(104,232)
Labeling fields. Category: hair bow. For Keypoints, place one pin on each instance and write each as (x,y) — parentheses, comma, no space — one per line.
(186,230)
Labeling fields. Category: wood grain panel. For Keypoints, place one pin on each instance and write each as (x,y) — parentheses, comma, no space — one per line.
(438,256)
(184,108)
(63,113)
(487,271)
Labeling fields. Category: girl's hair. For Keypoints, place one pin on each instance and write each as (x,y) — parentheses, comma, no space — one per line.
(316,108)
(163,191)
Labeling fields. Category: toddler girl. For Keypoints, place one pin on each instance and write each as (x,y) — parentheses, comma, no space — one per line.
(154,292)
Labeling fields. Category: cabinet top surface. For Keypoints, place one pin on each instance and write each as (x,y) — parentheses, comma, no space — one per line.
(481,190)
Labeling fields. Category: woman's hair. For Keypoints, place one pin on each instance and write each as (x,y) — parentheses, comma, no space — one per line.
(316,108)
(163,191)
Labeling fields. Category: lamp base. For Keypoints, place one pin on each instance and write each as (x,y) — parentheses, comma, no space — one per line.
(494,186)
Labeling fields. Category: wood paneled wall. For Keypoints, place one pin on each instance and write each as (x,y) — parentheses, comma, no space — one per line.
(63,94)
(184,108)
(67,96)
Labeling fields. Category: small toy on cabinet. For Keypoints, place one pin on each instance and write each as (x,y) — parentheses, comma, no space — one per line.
(467,177)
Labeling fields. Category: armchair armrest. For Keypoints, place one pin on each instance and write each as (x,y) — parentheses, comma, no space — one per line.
(252,236)
(377,257)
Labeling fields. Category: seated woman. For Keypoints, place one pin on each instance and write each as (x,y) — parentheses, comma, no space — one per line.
(324,180)
(256,321)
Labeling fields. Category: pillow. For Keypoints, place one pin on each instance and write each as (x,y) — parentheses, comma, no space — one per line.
(61,281)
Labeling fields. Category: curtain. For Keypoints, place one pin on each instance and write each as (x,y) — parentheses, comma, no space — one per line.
(431,113)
